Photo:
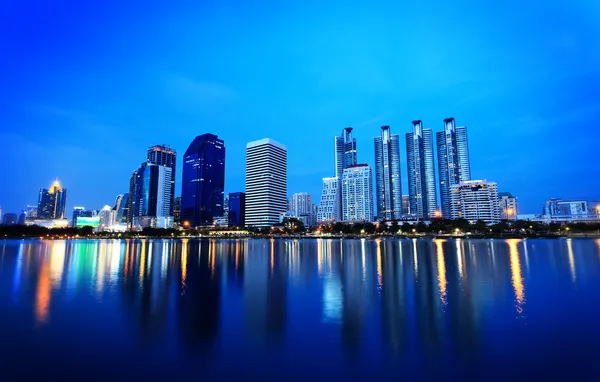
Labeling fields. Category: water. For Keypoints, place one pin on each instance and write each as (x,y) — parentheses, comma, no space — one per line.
(293,309)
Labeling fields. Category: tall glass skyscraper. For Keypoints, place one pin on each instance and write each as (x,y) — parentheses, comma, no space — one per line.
(163,155)
(453,160)
(52,202)
(387,175)
(152,193)
(203,183)
(266,182)
(345,151)
(421,171)
(237,206)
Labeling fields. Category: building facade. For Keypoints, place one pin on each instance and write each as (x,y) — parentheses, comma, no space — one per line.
(331,201)
(151,204)
(357,194)
(507,203)
(405,205)
(9,218)
(164,155)
(566,208)
(345,151)
(52,202)
(266,182)
(301,203)
(475,200)
(237,207)
(421,172)
(453,160)
(388,186)
(203,181)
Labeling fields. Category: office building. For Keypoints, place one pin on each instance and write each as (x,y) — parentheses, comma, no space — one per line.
(453,160)
(77,211)
(475,200)
(388,185)
(108,218)
(357,194)
(266,182)
(405,205)
(132,201)
(164,155)
(421,172)
(566,208)
(121,206)
(22,217)
(0,214)
(237,207)
(52,202)
(203,183)
(9,219)
(301,203)
(507,203)
(223,220)
(152,196)
(177,210)
(345,151)
(32,212)
(329,209)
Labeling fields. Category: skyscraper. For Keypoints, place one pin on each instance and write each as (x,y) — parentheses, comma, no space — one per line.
(132,201)
(237,206)
(52,202)
(345,151)
(165,156)
(357,193)
(152,196)
(405,205)
(475,200)
(421,171)
(301,203)
(266,182)
(122,208)
(77,212)
(453,160)
(329,209)
(387,175)
(203,183)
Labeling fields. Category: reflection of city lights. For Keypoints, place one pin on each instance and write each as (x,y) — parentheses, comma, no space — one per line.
(42,296)
(415,259)
(320,256)
(459,258)
(379,266)
(441,265)
(571,259)
(517,278)
(184,251)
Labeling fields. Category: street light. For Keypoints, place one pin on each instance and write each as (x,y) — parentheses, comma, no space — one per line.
(438,214)
(509,212)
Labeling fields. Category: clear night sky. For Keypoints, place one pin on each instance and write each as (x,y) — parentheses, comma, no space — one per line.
(87,88)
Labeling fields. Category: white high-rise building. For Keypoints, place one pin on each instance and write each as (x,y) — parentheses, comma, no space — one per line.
(357,193)
(475,200)
(266,182)
(387,175)
(301,203)
(329,207)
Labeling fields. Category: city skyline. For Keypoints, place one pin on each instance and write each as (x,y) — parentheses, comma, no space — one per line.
(517,80)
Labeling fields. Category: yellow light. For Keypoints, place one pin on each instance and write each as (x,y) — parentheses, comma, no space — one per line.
(438,214)
(509,211)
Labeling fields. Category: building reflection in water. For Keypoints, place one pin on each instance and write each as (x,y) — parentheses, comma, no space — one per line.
(417,296)
(517,278)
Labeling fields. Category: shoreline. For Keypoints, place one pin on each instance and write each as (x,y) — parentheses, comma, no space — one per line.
(307,237)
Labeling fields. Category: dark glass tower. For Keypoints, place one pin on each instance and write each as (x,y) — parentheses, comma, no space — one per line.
(237,205)
(164,155)
(203,180)
(52,202)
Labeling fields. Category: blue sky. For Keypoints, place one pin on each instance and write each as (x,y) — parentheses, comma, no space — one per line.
(86,88)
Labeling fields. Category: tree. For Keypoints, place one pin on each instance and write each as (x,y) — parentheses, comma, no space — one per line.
(480,226)
(394,227)
(407,228)
(421,227)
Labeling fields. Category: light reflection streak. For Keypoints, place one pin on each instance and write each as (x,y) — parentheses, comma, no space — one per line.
(213,253)
(517,278)
(57,262)
(362,251)
(379,268)
(571,259)
(415,259)
(320,256)
(273,254)
(142,261)
(441,265)
(184,251)
(459,258)
(42,295)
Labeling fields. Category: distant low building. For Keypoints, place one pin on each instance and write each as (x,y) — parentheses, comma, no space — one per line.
(508,206)
(9,219)
(236,209)
(565,208)
(475,200)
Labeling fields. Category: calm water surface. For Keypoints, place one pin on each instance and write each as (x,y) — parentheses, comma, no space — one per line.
(354,309)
